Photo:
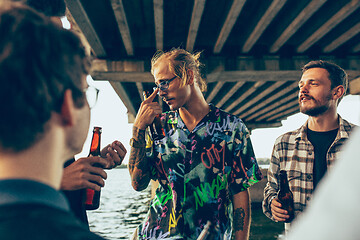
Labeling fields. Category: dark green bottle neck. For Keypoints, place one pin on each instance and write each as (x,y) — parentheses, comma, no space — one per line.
(284,184)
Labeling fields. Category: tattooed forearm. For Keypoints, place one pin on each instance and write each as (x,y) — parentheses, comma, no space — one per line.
(135,158)
(239,219)
(136,154)
(138,165)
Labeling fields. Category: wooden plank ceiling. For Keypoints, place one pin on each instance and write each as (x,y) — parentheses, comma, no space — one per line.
(253,50)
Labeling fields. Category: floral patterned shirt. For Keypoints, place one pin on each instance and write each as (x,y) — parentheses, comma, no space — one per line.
(198,172)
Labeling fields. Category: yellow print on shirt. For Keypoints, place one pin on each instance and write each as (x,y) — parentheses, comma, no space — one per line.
(173,219)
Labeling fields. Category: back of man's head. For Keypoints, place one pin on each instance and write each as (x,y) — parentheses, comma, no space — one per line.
(38,62)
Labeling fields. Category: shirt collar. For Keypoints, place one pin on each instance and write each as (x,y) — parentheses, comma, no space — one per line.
(212,114)
(22,191)
(342,133)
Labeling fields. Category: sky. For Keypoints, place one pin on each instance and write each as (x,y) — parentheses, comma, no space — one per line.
(111,114)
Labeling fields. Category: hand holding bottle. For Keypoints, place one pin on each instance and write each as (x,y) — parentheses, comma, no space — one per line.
(82,174)
(278,212)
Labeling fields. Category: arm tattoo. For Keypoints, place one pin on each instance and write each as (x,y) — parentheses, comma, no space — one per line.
(239,219)
(138,165)
(136,154)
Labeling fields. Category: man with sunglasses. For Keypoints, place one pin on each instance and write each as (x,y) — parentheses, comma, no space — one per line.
(204,164)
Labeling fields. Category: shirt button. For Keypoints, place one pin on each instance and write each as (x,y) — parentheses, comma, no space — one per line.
(310,153)
(309,176)
(307,198)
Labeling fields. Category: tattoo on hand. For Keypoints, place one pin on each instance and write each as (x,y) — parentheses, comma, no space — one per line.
(239,219)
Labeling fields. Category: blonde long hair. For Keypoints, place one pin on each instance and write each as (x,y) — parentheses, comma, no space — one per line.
(180,61)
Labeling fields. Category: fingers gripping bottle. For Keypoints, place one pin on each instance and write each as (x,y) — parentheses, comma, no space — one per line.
(156,129)
(92,201)
(285,196)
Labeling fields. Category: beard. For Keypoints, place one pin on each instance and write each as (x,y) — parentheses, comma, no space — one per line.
(321,106)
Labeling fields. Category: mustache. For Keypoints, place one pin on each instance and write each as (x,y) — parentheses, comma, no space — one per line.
(305,95)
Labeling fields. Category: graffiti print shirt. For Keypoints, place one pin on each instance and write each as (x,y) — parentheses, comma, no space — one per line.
(198,172)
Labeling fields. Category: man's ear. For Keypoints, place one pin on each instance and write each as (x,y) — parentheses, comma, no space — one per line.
(67,109)
(190,77)
(338,92)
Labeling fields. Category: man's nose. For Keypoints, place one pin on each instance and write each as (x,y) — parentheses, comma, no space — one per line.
(304,88)
(161,92)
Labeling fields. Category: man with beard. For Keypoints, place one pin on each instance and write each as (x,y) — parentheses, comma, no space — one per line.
(309,151)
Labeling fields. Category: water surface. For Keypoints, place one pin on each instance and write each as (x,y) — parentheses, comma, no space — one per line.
(122,209)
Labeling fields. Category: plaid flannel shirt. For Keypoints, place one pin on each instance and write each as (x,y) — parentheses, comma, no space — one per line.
(294,153)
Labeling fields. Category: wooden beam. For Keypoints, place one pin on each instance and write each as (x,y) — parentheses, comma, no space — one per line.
(233,90)
(244,96)
(75,28)
(269,115)
(123,76)
(197,13)
(283,115)
(124,98)
(133,71)
(214,91)
(228,24)
(214,76)
(343,38)
(264,22)
(255,76)
(140,89)
(82,20)
(258,97)
(123,26)
(301,18)
(354,86)
(267,101)
(275,105)
(329,25)
(353,73)
(159,23)
(356,48)
(227,76)
(102,65)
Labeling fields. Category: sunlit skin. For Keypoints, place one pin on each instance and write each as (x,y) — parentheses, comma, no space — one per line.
(315,92)
(175,99)
(185,97)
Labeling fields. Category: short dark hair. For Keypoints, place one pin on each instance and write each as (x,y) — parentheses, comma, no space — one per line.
(50,8)
(337,75)
(38,62)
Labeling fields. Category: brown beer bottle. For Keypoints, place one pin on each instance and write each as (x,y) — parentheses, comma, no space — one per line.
(92,201)
(285,196)
(156,129)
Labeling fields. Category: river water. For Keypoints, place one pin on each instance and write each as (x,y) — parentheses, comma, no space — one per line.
(122,209)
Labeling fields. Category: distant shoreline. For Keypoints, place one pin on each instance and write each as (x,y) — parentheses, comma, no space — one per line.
(261,165)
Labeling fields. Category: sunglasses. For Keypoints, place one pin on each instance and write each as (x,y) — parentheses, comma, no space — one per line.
(164,85)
